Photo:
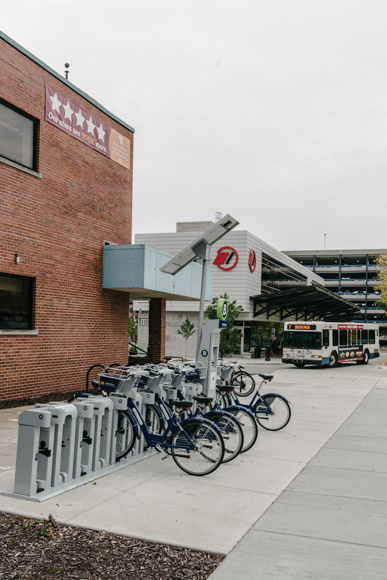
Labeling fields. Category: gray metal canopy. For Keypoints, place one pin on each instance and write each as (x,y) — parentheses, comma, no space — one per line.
(313,302)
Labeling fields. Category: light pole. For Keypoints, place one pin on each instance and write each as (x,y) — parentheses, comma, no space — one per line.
(200,248)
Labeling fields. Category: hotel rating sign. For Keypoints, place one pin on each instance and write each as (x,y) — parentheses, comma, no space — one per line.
(77,122)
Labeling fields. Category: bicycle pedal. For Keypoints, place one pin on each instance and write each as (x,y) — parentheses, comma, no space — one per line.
(158,448)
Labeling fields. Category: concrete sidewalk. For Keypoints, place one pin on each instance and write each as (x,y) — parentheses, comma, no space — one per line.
(331,521)
(154,500)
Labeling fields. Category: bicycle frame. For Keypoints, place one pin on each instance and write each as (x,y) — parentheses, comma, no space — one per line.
(257,399)
(153,439)
(199,413)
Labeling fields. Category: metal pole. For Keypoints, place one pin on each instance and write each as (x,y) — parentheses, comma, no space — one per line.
(202,299)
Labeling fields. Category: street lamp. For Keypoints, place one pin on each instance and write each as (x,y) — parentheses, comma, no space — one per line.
(200,248)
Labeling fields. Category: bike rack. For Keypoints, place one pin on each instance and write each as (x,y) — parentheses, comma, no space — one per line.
(120,403)
(63,420)
(83,448)
(64,445)
(34,452)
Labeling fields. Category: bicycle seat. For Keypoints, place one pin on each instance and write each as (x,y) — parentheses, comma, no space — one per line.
(225,389)
(266,377)
(203,400)
(182,404)
(192,376)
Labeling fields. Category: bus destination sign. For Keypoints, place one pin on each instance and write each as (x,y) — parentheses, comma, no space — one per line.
(301,327)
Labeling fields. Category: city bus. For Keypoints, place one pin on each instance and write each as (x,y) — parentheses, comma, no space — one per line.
(329,343)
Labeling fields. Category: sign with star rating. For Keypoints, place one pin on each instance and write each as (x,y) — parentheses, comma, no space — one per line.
(77,122)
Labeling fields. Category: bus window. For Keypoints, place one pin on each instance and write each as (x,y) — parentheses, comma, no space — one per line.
(343,338)
(302,340)
(352,337)
(325,337)
(372,337)
(364,336)
(335,337)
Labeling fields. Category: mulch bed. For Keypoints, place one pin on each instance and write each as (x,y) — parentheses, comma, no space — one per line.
(43,549)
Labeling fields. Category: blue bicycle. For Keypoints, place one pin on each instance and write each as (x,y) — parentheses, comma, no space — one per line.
(271,410)
(186,374)
(195,444)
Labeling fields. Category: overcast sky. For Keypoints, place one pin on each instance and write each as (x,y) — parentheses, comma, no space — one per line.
(274,111)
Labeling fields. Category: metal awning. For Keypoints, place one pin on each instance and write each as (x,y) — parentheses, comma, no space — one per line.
(135,269)
(314,302)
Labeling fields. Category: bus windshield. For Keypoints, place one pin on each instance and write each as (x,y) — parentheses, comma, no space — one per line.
(300,339)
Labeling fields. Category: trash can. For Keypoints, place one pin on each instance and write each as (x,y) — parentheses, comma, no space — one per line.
(257,352)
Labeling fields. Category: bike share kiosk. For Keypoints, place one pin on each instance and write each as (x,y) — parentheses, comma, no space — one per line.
(207,350)
(208,355)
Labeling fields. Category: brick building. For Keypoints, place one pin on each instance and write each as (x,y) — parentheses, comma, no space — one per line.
(65,189)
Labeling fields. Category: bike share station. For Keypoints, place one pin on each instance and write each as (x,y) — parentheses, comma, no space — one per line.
(64,445)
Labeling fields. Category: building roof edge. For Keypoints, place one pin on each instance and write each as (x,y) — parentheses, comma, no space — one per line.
(64,81)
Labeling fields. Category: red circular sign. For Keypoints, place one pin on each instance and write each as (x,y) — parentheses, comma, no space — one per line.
(252,261)
(226,258)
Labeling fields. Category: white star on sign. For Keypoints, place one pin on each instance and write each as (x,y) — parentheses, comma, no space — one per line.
(68,111)
(101,133)
(55,103)
(80,118)
(90,126)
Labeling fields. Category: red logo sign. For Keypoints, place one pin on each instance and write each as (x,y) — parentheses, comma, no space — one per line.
(252,261)
(227,258)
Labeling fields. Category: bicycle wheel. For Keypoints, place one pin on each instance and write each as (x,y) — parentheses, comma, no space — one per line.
(276,415)
(153,419)
(231,431)
(248,423)
(126,434)
(209,447)
(243,383)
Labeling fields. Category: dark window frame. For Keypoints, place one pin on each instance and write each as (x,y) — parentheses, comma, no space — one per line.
(364,336)
(31,293)
(311,340)
(343,337)
(35,136)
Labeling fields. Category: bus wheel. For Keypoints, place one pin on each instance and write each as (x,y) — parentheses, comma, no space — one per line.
(333,360)
(366,357)
(299,365)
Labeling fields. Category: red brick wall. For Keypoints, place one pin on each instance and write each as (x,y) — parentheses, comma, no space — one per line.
(57,225)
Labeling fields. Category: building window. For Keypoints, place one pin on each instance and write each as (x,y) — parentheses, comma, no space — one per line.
(15,302)
(277,276)
(18,136)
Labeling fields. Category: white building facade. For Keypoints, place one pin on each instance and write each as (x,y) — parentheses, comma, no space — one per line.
(243,266)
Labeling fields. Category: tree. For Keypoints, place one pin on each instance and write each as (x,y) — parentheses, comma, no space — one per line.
(230,338)
(133,332)
(381,261)
(187,329)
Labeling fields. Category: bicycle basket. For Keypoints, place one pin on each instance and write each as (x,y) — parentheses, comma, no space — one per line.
(118,379)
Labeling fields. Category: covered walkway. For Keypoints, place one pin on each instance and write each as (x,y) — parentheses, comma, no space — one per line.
(312,302)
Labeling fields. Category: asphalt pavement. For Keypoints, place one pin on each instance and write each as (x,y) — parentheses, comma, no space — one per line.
(331,521)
